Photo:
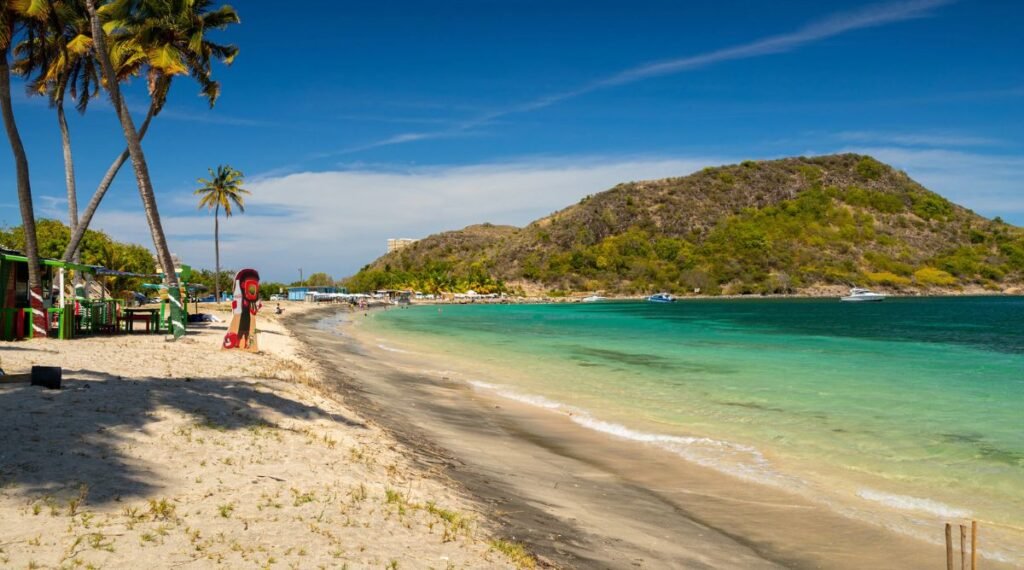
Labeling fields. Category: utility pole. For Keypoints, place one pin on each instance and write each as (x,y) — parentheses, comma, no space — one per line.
(301,282)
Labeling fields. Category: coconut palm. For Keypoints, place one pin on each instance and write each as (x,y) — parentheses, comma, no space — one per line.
(141,167)
(56,61)
(222,190)
(165,38)
(15,15)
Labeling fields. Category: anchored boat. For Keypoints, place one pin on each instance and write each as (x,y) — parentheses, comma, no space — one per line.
(661,298)
(858,294)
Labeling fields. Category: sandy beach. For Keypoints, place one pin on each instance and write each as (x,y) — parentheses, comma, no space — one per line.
(180,454)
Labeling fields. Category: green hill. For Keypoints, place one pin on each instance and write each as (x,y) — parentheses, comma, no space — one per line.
(780,226)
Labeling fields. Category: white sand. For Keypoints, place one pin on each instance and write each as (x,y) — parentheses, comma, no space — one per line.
(179,454)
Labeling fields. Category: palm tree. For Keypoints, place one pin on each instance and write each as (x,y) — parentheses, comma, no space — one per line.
(221,190)
(12,16)
(111,258)
(59,59)
(166,38)
(138,157)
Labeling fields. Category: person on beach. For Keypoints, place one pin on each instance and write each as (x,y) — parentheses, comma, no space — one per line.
(278,310)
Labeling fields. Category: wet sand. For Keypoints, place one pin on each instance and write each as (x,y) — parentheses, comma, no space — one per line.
(582,499)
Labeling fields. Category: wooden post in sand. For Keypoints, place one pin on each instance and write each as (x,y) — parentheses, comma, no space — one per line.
(963,547)
(949,546)
(974,545)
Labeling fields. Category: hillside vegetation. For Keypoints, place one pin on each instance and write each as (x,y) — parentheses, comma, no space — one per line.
(779,226)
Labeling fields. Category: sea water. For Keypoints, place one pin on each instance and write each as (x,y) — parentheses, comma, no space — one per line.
(906,413)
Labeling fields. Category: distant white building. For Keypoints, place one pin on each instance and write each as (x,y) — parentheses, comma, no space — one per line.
(395,244)
(174,259)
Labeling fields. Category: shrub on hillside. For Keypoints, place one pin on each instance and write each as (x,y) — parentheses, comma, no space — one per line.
(887,278)
(930,206)
(870,168)
(880,201)
(932,276)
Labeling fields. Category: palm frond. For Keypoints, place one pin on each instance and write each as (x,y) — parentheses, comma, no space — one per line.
(223,190)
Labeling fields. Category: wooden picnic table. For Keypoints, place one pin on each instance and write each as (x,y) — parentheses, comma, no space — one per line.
(149,316)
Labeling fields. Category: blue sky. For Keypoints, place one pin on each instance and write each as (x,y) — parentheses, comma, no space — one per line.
(363,121)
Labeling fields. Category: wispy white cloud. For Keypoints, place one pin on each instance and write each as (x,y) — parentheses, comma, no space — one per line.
(834,25)
(50,206)
(868,17)
(396,139)
(395,119)
(919,139)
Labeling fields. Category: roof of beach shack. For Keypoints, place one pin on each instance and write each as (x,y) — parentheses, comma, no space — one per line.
(8,254)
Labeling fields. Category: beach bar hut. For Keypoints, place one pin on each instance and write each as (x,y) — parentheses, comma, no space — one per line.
(67,314)
(15,309)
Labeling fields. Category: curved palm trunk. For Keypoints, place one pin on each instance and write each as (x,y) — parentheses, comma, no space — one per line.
(78,232)
(28,220)
(135,152)
(69,179)
(142,178)
(69,165)
(216,254)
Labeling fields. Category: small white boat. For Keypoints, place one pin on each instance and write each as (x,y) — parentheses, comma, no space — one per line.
(858,294)
(594,299)
(661,298)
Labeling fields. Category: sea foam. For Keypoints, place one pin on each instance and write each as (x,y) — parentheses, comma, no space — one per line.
(538,401)
(905,503)
(392,349)
(739,460)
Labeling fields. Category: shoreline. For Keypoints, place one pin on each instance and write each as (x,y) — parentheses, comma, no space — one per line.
(558,538)
(579,296)
(554,435)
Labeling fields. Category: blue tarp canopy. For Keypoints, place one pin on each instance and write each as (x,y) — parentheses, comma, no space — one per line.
(190,287)
(103,271)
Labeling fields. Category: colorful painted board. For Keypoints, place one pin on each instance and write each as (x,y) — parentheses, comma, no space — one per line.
(244,306)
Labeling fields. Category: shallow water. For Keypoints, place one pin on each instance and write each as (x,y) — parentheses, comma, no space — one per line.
(907,413)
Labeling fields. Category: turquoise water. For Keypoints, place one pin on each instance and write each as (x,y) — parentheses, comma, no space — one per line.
(907,412)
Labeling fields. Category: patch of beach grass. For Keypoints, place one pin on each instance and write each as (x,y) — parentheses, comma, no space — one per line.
(269,501)
(226,509)
(359,493)
(300,498)
(162,509)
(75,502)
(453,521)
(515,553)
